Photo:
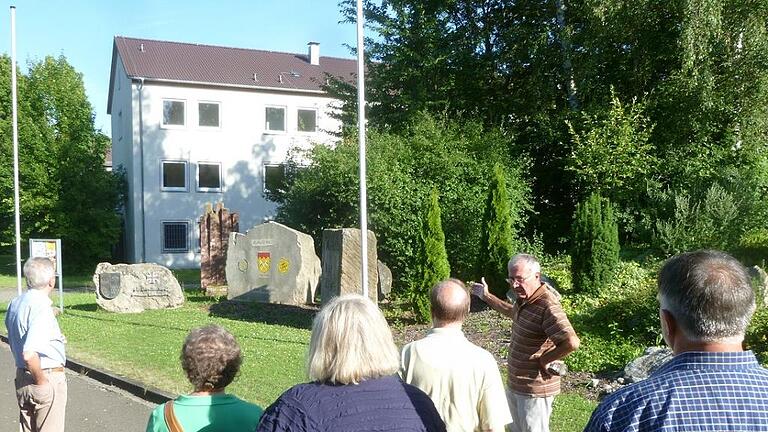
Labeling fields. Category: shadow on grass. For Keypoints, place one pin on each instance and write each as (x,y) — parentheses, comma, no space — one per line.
(85,307)
(119,319)
(265,313)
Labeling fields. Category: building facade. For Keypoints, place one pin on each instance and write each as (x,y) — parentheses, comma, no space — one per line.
(196,124)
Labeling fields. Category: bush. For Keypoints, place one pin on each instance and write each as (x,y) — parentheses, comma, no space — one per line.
(713,222)
(615,326)
(612,156)
(753,247)
(757,335)
(402,170)
(434,260)
(496,244)
(595,250)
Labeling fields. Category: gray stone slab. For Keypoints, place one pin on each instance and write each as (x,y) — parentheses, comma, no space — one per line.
(342,264)
(384,284)
(135,287)
(272,263)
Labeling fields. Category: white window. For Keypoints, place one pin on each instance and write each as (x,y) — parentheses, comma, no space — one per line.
(275,119)
(176,236)
(274,178)
(173,113)
(306,120)
(174,176)
(208,114)
(208,176)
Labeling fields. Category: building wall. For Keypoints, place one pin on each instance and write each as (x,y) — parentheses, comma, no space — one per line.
(241,145)
(124,122)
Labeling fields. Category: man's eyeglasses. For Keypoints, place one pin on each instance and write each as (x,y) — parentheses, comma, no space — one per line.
(519,279)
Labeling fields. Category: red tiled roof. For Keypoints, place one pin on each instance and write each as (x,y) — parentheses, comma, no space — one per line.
(186,62)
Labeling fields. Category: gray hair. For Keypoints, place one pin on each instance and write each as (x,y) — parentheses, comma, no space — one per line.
(38,271)
(529,260)
(709,293)
(351,342)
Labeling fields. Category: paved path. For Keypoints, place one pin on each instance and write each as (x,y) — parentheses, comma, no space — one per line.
(91,405)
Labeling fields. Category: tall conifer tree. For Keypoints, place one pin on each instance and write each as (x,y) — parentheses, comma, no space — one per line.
(434,263)
(497,242)
(595,251)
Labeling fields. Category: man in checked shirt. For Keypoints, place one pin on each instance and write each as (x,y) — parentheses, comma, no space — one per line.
(710,384)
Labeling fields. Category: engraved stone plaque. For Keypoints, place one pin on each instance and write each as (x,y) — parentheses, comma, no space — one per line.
(136,287)
(272,263)
(109,285)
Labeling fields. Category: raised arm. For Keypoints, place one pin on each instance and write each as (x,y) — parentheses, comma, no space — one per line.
(481,290)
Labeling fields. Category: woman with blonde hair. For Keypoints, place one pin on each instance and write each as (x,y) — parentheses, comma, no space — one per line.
(352,365)
(211,359)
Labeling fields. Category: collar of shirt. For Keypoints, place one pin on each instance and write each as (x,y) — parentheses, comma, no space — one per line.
(539,293)
(207,400)
(39,296)
(447,332)
(703,360)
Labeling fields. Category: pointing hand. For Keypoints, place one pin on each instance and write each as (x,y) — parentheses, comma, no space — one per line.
(480,289)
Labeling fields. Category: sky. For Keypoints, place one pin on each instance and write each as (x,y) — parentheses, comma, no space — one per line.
(83,31)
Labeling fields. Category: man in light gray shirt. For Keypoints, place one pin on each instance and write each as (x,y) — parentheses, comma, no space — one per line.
(38,351)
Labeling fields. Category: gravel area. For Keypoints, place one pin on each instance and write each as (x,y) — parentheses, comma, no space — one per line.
(491,331)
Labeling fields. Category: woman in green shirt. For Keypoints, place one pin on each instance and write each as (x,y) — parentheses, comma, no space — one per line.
(211,359)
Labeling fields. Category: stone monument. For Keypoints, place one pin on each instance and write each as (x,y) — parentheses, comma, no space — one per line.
(760,284)
(272,263)
(342,264)
(215,227)
(136,287)
(384,284)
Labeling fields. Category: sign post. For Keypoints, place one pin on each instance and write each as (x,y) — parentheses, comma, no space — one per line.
(50,248)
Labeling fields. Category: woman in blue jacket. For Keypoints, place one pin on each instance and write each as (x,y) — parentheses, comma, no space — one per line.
(352,366)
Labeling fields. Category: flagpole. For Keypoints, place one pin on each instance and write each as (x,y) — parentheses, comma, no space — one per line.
(15,150)
(361,140)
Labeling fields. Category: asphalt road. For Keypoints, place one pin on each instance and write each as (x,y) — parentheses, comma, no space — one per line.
(91,405)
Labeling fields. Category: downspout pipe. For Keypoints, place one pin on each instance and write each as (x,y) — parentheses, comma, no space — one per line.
(141,181)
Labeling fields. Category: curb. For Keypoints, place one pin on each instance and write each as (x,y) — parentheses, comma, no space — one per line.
(136,388)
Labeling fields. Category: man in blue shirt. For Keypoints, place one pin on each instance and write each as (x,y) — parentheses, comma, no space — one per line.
(711,383)
(38,351)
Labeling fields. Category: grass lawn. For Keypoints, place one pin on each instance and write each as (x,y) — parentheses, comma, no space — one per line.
(186,277)
(274,340)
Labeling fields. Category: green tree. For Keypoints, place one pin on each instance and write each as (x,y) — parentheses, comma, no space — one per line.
(696,71)
(37,198)
(456,159)
(611,156)
(595,250)
(65,190)
(497,241)
(433,263)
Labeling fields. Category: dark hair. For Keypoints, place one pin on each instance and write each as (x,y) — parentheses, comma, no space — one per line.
(709,293)
(445,308)
(211,358)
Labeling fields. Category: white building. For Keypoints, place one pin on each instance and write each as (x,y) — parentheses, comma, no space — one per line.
(196,124)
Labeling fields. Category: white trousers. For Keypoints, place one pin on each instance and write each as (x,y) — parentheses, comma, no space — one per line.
(529,413)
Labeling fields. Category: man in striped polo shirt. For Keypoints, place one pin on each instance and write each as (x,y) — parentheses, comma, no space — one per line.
(711,384)
(541,334)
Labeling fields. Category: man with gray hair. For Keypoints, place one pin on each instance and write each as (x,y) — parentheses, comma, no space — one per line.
(541,337)
(462,379)
(711,383)
(38,351)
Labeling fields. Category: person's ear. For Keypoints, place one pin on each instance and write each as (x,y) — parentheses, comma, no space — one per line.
(668,327)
